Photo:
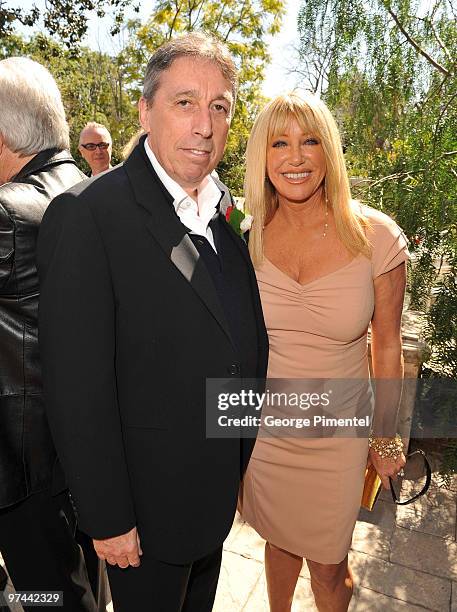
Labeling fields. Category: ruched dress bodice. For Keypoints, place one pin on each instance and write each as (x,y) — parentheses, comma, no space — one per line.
(303,495)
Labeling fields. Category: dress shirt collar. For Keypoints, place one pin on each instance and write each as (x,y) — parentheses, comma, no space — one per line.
(194,215)
(208,193)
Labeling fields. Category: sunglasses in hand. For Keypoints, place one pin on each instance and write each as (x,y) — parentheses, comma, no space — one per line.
(91,146)
(417,468)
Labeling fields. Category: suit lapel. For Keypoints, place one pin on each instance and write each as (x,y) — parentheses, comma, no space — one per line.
(262,336)
(240,242)
(168,231)
(226,200)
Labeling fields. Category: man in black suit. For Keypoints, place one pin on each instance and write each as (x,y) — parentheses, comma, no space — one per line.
(146,293)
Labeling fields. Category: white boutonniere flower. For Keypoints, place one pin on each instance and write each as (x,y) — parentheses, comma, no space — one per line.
(239,220)
(246,223)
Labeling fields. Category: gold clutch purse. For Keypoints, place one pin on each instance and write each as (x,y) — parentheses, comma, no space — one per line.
(371,488)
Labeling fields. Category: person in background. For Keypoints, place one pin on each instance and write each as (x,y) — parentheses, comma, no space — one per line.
(327,267)
(37,520)
(96,147)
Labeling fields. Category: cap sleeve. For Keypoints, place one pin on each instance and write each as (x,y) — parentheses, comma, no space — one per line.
(389,243)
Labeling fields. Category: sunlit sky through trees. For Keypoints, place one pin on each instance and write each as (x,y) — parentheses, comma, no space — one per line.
(277,76)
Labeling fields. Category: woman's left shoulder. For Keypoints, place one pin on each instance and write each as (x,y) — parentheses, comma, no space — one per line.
(388,241)
(376,217)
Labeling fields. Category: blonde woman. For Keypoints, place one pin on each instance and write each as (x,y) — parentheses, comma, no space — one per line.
(327,268)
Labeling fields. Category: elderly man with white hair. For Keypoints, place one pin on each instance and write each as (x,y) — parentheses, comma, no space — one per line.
(36,515)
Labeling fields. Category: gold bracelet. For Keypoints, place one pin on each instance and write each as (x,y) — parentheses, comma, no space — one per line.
(390,448)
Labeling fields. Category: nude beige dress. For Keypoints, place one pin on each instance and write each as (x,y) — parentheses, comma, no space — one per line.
(303,495)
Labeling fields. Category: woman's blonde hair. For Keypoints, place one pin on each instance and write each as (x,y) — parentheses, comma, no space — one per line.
(315,119)
(134,140)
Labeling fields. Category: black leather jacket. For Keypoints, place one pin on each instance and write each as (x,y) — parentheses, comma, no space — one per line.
(27,454)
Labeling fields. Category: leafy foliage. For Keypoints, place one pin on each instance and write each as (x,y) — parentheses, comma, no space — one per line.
(65,19)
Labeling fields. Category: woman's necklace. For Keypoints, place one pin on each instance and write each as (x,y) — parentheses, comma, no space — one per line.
(324,233)
(326,219)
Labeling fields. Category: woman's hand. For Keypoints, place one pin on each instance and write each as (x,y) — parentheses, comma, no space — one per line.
(386,467)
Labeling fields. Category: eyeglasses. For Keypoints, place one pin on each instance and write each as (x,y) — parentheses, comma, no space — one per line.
(91,146)
(417,467)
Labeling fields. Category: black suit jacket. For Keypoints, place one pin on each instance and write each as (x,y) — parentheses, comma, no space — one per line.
(130,328)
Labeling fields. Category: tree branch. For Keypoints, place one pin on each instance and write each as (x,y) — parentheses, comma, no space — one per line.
(399,175)
(440,42)
(196,20)
(391,177)
(452,7)
(438,121)
(416,45)
(219,19)
(172,27)
(432,93)
(236,23)
(438,38)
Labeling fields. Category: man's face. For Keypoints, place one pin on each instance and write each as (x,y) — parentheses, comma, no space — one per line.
(188,120)
(98,159)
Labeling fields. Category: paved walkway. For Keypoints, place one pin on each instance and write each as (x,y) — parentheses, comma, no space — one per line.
(403,558)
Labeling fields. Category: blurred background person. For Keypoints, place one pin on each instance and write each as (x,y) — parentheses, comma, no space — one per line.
(96,147)
(37,520)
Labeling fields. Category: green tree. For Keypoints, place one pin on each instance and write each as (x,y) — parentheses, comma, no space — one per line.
(65,19)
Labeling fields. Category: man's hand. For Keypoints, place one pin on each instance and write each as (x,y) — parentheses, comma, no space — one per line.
(123,550)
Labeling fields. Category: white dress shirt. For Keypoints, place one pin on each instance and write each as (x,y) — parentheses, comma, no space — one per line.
(195,215)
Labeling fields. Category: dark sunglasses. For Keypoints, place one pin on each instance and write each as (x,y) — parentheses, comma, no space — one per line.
(91,146)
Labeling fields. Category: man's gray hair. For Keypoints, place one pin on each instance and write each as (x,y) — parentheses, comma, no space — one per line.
(194,44)
(32,116)
(93,125)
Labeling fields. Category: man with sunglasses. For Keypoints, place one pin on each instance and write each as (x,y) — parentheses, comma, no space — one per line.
(96,147)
